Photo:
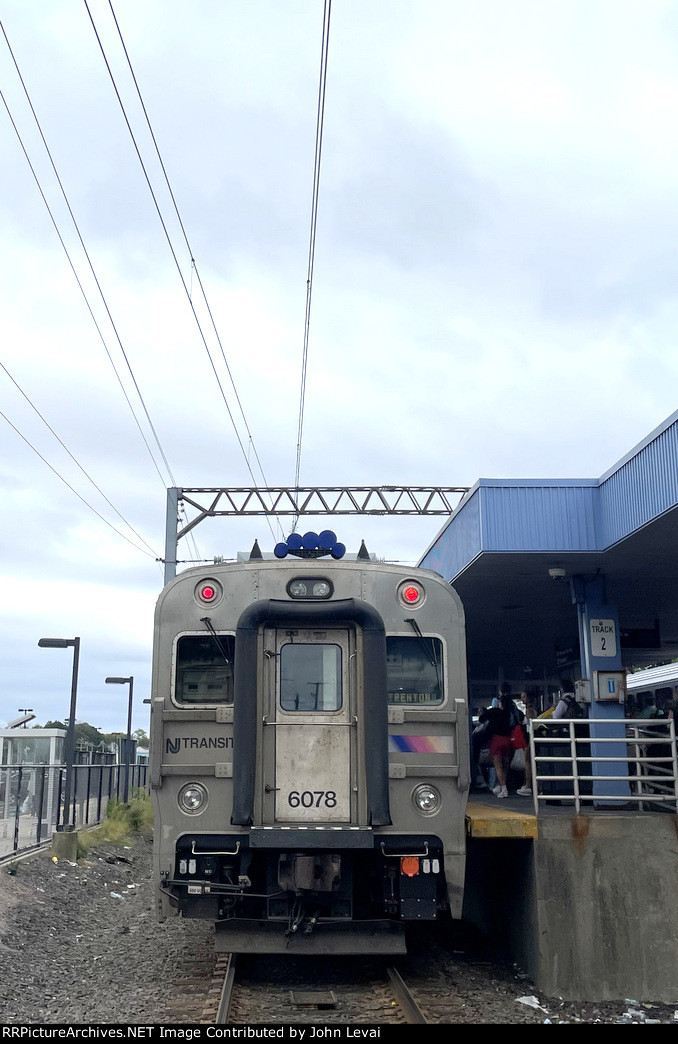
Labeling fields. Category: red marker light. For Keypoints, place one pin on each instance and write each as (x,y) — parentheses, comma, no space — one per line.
(411,594)
(208,592)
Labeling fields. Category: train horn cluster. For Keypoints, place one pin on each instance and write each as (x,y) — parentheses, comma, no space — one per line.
(310,545)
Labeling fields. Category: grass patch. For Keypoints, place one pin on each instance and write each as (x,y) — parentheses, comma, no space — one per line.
(122,824)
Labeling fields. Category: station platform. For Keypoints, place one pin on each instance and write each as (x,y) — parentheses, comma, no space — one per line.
(514,817)
(487,817)
(583,902)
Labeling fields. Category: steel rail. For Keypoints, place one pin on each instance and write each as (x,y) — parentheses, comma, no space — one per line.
(411,1010)
(226,993)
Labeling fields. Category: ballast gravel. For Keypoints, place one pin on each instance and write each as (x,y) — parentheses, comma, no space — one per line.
(79,943)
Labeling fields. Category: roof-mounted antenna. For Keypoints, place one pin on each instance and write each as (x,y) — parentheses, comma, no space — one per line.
(363,553)
(256,551)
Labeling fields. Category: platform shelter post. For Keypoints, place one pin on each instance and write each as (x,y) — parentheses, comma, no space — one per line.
(600,650)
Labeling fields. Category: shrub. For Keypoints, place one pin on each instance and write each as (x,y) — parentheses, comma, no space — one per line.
(122,822)
(140,814)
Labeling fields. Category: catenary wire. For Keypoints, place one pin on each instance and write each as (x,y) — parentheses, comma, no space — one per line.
(320,119)
(194,264)
(110,525)
(99,331)
(191,537)
(167,465)
(82,243)
(173,252)
(75,460)
(82,289)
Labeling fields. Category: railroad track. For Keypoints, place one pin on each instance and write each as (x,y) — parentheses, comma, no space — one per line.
(290,990)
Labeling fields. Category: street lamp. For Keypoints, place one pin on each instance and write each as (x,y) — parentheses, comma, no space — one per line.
(130,682)
(67,643)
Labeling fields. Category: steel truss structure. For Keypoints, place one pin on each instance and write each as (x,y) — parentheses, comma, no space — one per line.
(239,501)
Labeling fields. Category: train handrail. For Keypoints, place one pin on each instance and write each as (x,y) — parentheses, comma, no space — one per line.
(404,855)
(352,724)
(204,851)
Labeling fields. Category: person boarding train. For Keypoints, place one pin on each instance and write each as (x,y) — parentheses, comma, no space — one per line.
(506,730)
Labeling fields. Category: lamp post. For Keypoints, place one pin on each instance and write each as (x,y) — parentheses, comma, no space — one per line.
(130,682)
(69,754)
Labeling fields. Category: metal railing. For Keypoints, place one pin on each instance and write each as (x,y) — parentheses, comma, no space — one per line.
(32,799)
(572,762)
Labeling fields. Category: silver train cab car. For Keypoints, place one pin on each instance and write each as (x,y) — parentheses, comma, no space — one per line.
(309,751)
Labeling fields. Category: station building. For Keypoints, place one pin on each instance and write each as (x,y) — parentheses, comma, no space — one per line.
(575,578)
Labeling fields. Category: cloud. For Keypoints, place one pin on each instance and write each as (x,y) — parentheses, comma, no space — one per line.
(493,291)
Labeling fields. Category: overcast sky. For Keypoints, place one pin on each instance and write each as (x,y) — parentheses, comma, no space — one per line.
(495,289)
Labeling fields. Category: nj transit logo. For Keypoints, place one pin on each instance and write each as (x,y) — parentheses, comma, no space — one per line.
(173,746)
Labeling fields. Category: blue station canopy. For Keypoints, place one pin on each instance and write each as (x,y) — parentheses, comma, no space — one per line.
(509,538)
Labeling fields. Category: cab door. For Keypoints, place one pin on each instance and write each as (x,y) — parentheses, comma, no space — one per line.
(311,716)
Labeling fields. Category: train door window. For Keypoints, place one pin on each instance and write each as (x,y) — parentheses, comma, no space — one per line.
(310,677)
(414,670)
(204,668)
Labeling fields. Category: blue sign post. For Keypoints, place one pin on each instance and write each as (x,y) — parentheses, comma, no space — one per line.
(600,650)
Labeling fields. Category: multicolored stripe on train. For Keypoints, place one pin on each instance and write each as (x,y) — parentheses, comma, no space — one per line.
(420,744)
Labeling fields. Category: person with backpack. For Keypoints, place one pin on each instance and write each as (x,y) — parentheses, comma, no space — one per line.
(567,706)
(654,708)
(501,722)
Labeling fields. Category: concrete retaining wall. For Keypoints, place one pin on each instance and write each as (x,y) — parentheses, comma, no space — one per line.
(589,910)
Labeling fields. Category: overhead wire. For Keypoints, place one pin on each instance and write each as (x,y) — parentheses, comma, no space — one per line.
(320,119)
(194,264)
(75,460)
(91,266)
(172,250)
(190,539)
(314,211)
(110,525)
(82,290)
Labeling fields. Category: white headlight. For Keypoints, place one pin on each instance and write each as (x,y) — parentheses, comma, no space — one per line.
(193,799)
(309,587)
(426,799)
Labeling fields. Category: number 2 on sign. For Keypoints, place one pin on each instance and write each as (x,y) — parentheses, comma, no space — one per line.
(312,799)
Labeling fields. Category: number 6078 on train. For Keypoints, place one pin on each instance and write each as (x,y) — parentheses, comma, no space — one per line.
(309,752)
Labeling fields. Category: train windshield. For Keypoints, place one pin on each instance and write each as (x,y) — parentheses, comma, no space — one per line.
(414,670)
(204,668)
(310,677)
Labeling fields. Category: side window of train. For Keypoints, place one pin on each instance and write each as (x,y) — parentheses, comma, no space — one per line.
(414,670)
(310,677)
(204,668)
